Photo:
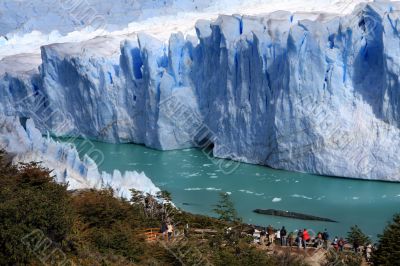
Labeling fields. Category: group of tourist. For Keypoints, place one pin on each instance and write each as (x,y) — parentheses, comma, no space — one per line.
(283,237)
(303,238)
(300,238)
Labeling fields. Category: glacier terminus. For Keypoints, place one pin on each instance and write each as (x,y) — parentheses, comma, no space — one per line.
(303,91)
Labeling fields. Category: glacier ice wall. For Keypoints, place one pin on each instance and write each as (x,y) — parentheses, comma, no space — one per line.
(64,16)
(313,93)
(28,145)
(25,26)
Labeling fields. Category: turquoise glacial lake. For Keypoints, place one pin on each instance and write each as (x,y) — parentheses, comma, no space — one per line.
(195,182)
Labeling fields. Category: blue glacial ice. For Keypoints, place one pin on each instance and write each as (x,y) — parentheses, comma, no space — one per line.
(307,92)
(26,144)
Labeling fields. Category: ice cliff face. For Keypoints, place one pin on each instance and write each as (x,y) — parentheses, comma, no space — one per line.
(306,92)
(28,145)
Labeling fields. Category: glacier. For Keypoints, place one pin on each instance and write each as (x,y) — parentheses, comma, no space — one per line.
(26,144)
(302,91)
(27,25)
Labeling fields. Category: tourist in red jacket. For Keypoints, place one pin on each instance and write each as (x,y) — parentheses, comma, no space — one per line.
(306,237)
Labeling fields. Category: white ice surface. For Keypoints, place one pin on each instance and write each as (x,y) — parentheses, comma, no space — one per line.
(37,23)
(28,145)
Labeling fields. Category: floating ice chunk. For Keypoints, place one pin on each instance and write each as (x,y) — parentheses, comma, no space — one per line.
(213,189)
(194,174)
(301,196)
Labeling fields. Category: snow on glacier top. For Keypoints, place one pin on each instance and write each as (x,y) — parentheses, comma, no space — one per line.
(63,15)
(100,46)
(25,25)
(20,64)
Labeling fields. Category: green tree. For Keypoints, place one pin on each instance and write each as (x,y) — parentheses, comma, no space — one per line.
(388,252)
(356,237)
(137,197)
(225,209)
(33,208)
(99,208)
(165,195)
(111,223)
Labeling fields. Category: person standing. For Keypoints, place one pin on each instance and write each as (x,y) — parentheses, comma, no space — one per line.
(306,238)
(319,241)
(271,234)
(170,231)
(263,236)
(186,230)
(278,236)
(283,236)
(341,244)
(164,230)
(325,238)
(335,243)
(368,252)
(299,239)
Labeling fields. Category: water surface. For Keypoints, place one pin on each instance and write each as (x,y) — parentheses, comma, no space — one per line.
(195,182)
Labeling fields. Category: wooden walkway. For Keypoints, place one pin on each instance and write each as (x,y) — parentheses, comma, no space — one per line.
(151,234)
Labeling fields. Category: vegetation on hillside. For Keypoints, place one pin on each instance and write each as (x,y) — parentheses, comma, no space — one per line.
(225,209)
(388,252)
(357,238)
(345,258)
(41,222)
